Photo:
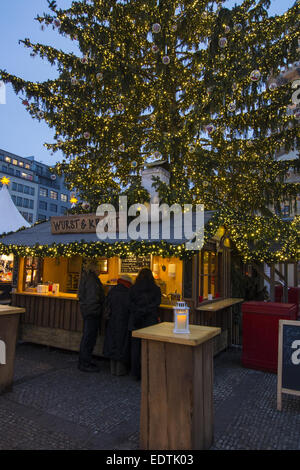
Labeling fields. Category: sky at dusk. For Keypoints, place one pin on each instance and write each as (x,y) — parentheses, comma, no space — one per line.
(19,133)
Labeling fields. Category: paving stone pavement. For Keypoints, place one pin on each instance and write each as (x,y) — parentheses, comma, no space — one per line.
(55,406)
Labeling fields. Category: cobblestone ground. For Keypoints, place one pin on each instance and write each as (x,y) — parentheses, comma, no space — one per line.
(55,406)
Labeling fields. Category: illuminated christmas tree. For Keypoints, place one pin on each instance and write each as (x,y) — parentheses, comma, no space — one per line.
(188,82)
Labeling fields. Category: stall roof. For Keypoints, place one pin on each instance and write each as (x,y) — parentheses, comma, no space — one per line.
(41,234)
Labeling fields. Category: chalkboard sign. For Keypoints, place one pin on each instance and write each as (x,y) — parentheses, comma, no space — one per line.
(133,264)
(288,379)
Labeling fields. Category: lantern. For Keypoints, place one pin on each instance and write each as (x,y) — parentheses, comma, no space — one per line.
(181,318)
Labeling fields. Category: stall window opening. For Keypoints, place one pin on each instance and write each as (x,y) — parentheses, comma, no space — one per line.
(209,268)
(32,272)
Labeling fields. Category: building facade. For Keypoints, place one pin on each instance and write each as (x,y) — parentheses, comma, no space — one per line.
(37,193)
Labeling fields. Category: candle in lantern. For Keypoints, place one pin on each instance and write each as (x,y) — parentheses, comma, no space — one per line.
(181,322)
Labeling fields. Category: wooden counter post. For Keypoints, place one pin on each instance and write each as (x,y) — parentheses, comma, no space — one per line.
(9,321)
(177,387)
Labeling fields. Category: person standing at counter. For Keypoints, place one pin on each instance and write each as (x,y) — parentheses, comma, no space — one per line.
(145,298)
(91,300)
(117,336)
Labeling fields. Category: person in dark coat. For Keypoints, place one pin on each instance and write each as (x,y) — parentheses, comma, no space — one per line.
(91,299)
(145,298)
(117,336)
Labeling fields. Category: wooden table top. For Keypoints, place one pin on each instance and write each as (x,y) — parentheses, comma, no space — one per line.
(164,332)
(219,305)
(8,310)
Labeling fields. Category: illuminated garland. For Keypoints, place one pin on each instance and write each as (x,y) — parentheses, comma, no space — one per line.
(286,237)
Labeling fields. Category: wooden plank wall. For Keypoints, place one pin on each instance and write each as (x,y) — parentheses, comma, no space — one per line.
(50,312)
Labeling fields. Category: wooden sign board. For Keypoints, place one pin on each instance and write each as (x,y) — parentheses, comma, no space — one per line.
(133,264)
(79,223)
(288,377)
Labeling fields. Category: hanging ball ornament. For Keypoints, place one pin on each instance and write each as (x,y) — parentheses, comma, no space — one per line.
(85,205)
(192,148)
(231,107)
(133,164)
(122,147)
(209,128)
(223,42)
(222,57)
(120,107)
(157,154)
(57,22)
(40,114)
(84,60)
(99,76)
(156,28)
(205,183)
(255,75)
(86,135)
(155,49)
(297,114)
(152,117)
(272,86)
(238,27)
(227,29)
(166,60)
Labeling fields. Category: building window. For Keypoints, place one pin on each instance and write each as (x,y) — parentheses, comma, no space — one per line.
(53,195)
(31,203)
(15,162)
(21,163)
(43,205)
(26,190)
(8,159)
(64,197)
(18,173)
(4,168)
(41,217)
(26,176)
(19,201)
(20,188)
(14,186)
(14,198)
(53,207)
(44,192)
(25,202)
(27,166)
(32,191)
(30,217)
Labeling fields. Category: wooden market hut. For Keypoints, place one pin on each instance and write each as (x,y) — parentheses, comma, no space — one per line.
(49,257)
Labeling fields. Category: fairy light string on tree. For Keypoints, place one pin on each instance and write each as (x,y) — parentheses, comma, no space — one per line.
(188,80)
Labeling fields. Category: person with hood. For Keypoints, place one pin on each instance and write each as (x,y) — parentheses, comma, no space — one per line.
(145,298)
(91,300)
(117,336)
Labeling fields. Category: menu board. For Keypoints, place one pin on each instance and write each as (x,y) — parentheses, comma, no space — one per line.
(288,376)
(133,264)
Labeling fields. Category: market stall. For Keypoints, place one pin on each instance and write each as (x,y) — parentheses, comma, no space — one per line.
(50,257)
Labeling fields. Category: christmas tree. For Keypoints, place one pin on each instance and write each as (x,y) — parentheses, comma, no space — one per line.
(189,82)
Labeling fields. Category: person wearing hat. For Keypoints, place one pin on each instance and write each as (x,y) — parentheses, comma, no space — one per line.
(91,301)
(117,336)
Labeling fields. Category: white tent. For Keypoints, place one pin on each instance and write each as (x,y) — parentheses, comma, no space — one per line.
(10,218)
